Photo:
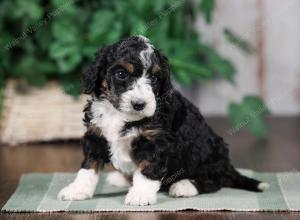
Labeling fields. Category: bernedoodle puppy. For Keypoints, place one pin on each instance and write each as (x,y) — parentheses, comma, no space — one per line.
(153,136)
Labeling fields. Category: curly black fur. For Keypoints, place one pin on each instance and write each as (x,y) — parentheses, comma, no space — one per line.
(176,139)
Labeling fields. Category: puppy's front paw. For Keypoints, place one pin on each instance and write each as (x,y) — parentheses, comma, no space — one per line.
(141,197)
(75,192)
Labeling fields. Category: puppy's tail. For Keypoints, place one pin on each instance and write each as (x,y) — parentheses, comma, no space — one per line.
(242,182)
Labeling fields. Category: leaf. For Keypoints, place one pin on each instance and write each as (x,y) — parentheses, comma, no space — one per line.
(89,50)
(44,38)
(139,27)
(29,8)
(65,7)
(183,78)
(27,68)
(67,56)
(249,114)
(2,83)
(141,5)
(224,68)
(59,49)
(36,79)
(159,6)
(46,67)
(104,29)
(69,63)
(207,7)
(24,65)
(239,42)
(115,35)
(159,31)
(181,50)
(57,3)
(102,22)
(5,61)
(194,69)
(71,85)
(65,31)
(221,66)
(179,27)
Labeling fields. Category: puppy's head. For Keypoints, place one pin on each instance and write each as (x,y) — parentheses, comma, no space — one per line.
(131,74)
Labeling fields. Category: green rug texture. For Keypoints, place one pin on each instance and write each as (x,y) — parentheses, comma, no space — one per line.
(37,192)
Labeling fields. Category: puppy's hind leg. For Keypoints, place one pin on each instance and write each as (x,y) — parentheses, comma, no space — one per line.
(183,188)
(115,178)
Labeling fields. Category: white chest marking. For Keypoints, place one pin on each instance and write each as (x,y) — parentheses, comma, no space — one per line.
(111,122)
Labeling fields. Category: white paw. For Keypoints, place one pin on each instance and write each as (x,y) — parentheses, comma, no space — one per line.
(75,192)
(116,178)
(263,186)
(140,197)
(183,188)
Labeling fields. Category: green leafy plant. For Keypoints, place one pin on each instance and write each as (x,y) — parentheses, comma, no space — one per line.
(1,99)
(242,44)
(250,113)
(54,39)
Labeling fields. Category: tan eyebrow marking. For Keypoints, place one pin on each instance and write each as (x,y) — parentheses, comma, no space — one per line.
(104,84)
(156,68)
(128,66)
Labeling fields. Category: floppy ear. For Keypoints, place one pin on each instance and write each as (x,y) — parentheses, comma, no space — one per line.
(166,86)
(94,74)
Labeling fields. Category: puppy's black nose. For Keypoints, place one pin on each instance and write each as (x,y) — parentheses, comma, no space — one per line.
(138,105)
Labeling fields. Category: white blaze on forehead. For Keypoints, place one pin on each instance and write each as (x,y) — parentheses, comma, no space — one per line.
(141,90)
(145,55)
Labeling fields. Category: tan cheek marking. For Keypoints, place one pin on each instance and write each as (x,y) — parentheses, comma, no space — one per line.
(156,68)
(149,134)
(104,84)
(104,87)
(143,164)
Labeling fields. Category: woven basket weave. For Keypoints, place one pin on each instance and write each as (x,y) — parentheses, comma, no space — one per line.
(40,115)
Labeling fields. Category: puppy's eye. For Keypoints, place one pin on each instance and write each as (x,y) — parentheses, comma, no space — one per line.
(121,75)
(153,79)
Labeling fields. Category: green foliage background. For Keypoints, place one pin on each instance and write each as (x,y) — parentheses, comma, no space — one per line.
(54,39)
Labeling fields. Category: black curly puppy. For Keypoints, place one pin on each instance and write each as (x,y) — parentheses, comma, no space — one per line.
(148,130)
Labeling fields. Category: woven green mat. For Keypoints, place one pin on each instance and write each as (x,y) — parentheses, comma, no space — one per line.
(37,193)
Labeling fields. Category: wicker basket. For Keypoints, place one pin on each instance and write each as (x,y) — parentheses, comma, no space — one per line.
(40,114)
